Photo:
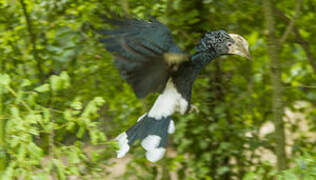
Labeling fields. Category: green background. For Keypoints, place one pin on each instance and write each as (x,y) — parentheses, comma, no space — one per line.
(62,101)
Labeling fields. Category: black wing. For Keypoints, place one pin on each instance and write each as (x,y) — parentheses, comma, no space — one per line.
(144,53)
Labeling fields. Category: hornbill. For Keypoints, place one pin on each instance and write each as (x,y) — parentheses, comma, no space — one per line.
(148,59)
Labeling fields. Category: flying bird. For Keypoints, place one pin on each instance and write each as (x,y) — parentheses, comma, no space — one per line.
(149,60)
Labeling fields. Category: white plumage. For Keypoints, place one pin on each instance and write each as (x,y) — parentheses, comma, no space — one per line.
(155,154)
(123,145)
(151,142)
(141,117)
(171,127)
(168,102)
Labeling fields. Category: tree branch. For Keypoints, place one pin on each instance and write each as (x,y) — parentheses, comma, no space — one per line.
(125,6)
(273,47)
(292,22)
(33,40)
(299,39)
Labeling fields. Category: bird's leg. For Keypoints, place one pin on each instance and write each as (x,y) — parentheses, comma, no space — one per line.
(194,108)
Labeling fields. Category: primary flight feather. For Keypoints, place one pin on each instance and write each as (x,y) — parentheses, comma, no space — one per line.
(148,59)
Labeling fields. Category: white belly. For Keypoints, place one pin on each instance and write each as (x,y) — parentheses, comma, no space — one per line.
(169,102)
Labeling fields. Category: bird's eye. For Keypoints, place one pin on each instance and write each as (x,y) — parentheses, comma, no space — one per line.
(229,44)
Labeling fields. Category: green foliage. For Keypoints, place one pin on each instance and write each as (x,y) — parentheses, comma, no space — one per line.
(305,168)
(62,101)
(30,124)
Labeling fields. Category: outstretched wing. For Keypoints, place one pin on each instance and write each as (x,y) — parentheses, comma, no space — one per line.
(144,53)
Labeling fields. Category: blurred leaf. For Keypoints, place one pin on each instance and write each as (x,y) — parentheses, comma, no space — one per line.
(5,79)
(42,88)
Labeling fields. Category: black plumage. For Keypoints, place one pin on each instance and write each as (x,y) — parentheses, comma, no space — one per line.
(149,60)
(139,48)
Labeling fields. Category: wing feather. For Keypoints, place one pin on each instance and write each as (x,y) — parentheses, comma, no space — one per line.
(143,53)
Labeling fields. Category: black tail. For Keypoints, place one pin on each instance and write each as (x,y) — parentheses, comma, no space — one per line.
(153,134)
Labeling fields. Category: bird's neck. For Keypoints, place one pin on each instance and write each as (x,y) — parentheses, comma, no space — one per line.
(201,59)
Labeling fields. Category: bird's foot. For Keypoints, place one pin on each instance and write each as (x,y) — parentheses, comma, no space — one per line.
(194,108)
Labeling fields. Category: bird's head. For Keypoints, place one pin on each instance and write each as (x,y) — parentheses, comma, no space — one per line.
(224,44)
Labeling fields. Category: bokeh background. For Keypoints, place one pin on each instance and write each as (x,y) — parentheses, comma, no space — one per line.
(62,101)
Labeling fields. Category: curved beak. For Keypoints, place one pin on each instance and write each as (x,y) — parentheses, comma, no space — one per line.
(239,47)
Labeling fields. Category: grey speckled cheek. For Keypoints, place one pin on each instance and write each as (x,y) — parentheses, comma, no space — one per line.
(214,41)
